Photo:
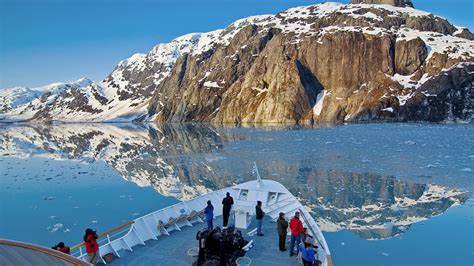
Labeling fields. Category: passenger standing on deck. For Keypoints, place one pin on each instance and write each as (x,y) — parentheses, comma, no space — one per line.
(296,227)
(282,229)
(92,248)
(209,211)
(227,203)
(259,215)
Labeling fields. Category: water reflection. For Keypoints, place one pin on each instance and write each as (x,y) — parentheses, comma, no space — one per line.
(188,160)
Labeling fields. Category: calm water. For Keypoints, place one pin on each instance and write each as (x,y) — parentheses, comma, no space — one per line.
(392,194)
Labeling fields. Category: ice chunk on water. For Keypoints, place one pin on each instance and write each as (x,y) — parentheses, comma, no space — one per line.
(467,169)
(55,227)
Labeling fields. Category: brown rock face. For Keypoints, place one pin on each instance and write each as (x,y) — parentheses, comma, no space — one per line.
(268,77)
(409,56)
(401,3)
(322,63)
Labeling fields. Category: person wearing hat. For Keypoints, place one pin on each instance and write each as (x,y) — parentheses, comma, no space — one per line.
(227,203)
(282,229)
(308,253)
(62,248)
(209,211)
(296,227)
(92,248)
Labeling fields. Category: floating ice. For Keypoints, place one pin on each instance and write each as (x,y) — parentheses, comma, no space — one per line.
(55,227)
(385,254)
(467,169)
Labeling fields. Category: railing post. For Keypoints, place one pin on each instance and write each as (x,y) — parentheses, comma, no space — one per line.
(80,251)
(108,238)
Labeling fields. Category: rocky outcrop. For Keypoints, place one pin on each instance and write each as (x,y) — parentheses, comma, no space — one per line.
(402,3)
(365,70)
(326,62)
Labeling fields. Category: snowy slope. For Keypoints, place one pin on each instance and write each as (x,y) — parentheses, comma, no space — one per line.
(125,94)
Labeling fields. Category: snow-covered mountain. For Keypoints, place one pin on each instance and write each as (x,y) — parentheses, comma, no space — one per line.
(325,62)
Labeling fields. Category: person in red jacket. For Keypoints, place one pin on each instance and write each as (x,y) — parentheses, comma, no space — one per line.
(62,248)
(296,227)
(92,248)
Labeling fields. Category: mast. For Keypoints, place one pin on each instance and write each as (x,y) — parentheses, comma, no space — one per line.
(255,171)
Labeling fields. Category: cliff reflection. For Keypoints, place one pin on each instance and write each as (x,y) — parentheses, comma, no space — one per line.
(189,160)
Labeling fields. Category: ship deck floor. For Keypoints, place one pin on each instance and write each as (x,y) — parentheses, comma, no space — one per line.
(172,250)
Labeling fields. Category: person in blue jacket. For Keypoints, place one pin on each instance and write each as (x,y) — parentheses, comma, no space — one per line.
(209,211)
(308,254)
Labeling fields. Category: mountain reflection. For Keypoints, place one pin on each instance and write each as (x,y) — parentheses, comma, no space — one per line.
(188,160)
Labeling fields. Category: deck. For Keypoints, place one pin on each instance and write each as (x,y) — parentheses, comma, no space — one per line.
(172,250)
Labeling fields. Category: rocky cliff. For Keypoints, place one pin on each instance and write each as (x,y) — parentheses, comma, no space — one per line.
(401,3)
(326,62)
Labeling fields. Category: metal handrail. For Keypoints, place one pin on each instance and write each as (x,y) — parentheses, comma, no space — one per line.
(328,256)
(106,234)
(310,228)
(45,251)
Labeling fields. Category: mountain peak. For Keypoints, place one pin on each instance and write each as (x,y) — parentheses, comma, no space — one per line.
(400,3)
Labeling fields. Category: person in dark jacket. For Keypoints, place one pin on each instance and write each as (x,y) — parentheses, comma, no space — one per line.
(92,248)
(209,211)
(259,215)
(227,203)
(282,230)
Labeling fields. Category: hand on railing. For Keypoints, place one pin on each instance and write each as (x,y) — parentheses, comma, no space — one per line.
(107,234)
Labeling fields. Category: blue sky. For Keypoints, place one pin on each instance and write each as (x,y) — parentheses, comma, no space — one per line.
(44,41)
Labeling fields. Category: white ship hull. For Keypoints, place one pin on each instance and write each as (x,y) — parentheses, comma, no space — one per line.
(171,222)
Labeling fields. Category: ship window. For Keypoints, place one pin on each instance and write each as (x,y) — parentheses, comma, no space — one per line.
(243,194)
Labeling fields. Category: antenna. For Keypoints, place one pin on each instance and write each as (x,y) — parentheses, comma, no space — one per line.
(255,171)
